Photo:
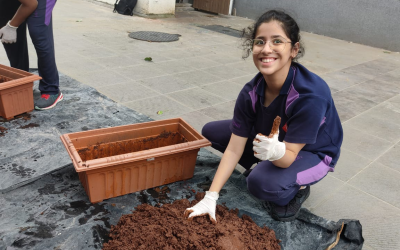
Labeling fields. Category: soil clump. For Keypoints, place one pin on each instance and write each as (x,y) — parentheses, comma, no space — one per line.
(30,125)
(3,131)
(4,79)
(101,150)
(166,228)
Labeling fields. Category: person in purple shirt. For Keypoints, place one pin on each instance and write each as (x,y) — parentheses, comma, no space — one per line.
(37,15)
(310,135)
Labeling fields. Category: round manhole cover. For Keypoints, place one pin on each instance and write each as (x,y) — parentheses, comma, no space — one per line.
(153,36)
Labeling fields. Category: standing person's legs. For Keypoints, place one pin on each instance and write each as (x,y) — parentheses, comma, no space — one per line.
(280,187)
(41,31)
(219,134)
(17,53)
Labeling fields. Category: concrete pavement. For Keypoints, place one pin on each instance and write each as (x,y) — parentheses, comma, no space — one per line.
(199,76)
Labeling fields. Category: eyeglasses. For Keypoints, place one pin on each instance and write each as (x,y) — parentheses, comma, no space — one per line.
(277,44)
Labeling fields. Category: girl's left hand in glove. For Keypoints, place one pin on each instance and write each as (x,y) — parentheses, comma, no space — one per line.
(206,206)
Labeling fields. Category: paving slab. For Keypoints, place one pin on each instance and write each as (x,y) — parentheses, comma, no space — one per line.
(349,165)
(226,89)
(391,157)
(165,84)
(126,92)
(150,107)
(379,219)
(197,120)
(366,145)
(379,181)
(340,80)
(370,124)
(220,111)
(197,98)
(101,78)
(198,77)
(323,191)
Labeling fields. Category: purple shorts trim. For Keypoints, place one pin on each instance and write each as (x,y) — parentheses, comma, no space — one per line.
(315,173)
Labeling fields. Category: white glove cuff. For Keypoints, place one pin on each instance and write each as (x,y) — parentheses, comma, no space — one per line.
(212,195)
(279,151)
(9,25)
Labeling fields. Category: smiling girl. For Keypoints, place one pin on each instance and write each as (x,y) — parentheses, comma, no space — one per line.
(307,145)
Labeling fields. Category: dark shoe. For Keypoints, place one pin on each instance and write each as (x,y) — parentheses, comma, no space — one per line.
(47,101)
(291,210)
(247,172)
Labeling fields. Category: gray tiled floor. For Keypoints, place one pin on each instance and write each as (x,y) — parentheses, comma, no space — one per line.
(129,91)
(100,78)
(379,219)
(150,107)
(139,72)
(364,144)
(349,165)
(221,111)
(199,76)
(197,98)
(379,181)
(226,89)
(166,84)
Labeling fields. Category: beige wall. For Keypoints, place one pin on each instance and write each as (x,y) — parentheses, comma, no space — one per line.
(158,7)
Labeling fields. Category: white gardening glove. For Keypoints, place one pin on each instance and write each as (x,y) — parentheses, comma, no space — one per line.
(206,206)
(268,148)
(8,34)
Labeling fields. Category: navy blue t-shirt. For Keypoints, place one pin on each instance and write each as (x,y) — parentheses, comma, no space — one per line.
(305,105)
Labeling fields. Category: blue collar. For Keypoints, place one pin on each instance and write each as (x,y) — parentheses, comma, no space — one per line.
(286,85)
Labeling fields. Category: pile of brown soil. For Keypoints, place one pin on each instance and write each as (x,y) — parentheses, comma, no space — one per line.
(166,228)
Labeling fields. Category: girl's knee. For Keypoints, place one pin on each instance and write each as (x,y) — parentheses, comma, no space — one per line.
(206,130)
(260,186)
(267,188)
(217,131)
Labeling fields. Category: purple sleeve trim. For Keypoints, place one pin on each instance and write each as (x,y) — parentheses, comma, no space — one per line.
(315,173)
(293,94)
(253,95)
(323,121)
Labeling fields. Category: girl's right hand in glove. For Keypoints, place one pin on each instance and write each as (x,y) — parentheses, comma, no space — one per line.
(207,205)
(8,34)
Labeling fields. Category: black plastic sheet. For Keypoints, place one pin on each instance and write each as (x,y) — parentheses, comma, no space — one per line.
(54,212)
(44,206)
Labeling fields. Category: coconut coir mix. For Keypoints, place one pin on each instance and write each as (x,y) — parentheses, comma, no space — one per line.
(102,150)
(3,131)
(166,228)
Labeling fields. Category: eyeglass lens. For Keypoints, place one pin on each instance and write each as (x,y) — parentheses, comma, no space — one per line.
(276,44)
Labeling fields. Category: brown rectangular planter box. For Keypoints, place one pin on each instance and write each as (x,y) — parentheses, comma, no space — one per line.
(16,91)
(125,159)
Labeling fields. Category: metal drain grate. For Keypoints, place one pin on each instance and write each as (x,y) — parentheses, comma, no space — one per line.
(152,36)
(223,30)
